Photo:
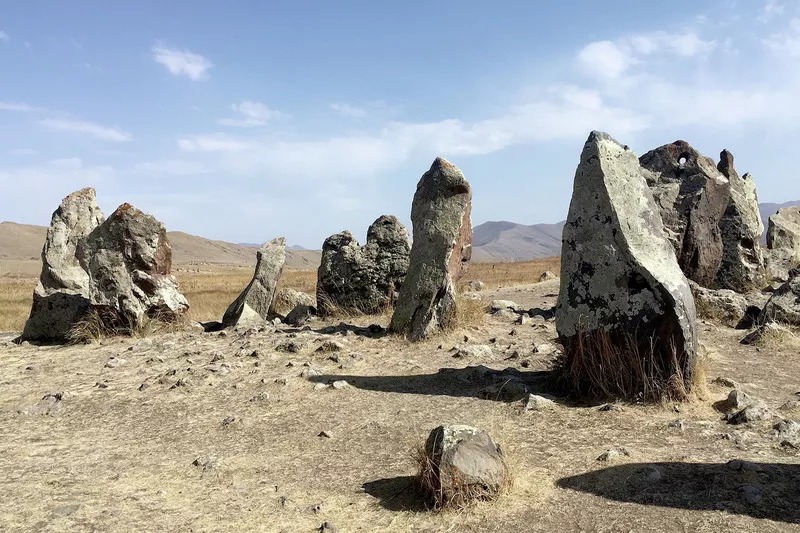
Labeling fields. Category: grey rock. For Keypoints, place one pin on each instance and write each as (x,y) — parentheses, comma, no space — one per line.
(547,276)
(440,253)
(783,242)
(462,463)
(743,264)
(619,274)
(287,299)
(340,384)
(783,306)
(119,267)
(472,351)
(612,454)
(538,403)
(363,279)
(752,413)
(724,305)
(475,285)
(765,330)
(692,196)
(251,307)
(502,305)
(788,431)
(300,315)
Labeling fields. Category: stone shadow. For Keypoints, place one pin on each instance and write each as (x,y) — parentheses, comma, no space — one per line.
(401,493)
(759,490)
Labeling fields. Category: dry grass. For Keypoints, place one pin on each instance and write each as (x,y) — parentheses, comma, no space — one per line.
(496,275)
(16,297)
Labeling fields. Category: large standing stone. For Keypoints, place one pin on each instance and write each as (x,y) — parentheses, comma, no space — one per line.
(742,267)
(692,196)
(363,279)
(253,304)
(783,241)
(440,252)
(119,267)
(625,313)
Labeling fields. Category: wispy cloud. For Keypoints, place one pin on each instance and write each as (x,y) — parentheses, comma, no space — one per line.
(771,9)
(348,110)
(213,143)
(785,43)
(251,114)
(182,62)
(17,106)
(104,133)
(4,37)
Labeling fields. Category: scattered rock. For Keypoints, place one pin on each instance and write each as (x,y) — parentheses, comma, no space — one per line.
(472,351)
(752,413)
(608,407)
(475,286)
(327,527)
(114,362)
(764,331)
(300,315)
(538,403)
(547,276)
(206,462)
(252,306)
(330,347)
(619,275)
(501,305)
(462,464)
(363,279)
(440,253)
(340,384)
(325,434)
(783,306)
(612,454)
(677,424)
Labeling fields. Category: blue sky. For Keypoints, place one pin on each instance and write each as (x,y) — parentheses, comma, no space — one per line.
(247,120)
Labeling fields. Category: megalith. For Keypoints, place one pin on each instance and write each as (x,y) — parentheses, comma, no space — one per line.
(363,279)
(692,196)
(783,242)
(440,252)
(625,313)
(252,306)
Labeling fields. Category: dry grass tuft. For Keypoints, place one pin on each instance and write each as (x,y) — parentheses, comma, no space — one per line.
(469,313)
(98,325)
(599,365)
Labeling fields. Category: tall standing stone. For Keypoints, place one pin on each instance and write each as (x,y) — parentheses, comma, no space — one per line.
(253,304)
(692,196)
(742,267)
(783,242)
(440,252)
(363,279)
(625,313)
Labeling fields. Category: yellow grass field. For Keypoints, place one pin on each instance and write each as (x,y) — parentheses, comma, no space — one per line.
(210,292)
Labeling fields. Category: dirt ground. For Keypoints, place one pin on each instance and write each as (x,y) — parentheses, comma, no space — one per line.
(200,431)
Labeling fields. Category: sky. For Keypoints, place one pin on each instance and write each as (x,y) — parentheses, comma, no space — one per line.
(247,120)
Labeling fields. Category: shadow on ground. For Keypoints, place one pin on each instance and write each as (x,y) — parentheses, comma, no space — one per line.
(760,490)
(473,381)
(400,493)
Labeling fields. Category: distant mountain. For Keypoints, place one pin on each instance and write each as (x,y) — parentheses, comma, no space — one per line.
(22,242)
(508,241)
(768,209)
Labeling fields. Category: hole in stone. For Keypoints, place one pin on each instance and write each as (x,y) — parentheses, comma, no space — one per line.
(683,159)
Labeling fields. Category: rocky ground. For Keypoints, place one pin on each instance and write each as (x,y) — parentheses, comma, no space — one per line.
(284,430)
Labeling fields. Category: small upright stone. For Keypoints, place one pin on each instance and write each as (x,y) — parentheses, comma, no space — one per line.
(623,297)
(440,252)
(692,196)
(253,304)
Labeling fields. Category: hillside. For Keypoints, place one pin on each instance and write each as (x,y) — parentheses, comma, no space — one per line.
(508,241)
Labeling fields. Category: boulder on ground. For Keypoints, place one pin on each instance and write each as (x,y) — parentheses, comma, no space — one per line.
(252,306)
(743,265)
(692,196)
(783,242)
(440,252)
(287,299)
(783,306)
(300,315)
(363,279)
(119,268)
(460,465)
(547,276)
(623,298)
(725,305)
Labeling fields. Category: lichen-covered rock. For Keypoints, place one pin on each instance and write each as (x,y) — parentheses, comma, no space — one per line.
(363,279)
(783,306)
(440,253)
(252,306)
(725,305)
(287,299)
(462,464)
(119,267)
(783,242)
(623,297)
(743,265)
(692,196)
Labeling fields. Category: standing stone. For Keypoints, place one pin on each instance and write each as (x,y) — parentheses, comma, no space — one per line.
(742,267)
(783,242)
(363,279)
(253,304)
(440,252)
(625,313)
(119,268)
(61,296)
(129,261)
(692,196)
(783,306)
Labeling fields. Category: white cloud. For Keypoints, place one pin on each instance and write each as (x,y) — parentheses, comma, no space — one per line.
(785,43)
(251,114)
(23,151)
(103,133)
(612,59)
(12,106)
(771,9)
(212,143)
(348,110)
(4,37)
(182,62)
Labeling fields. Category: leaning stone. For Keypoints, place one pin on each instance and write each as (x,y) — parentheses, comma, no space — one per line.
(621,286)
(461,465)
(440,253)
(692,196)
(253,304)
